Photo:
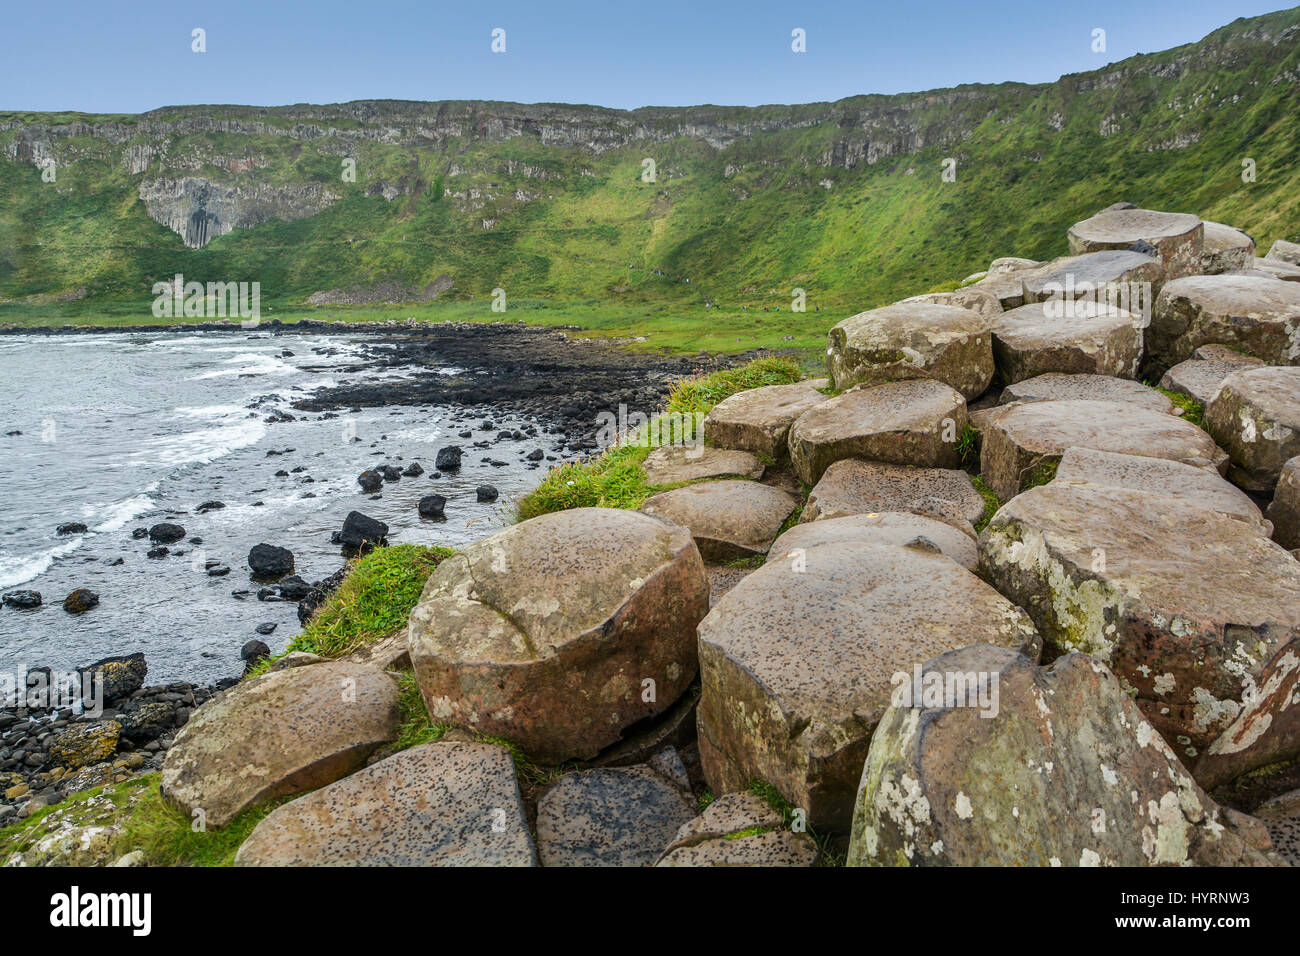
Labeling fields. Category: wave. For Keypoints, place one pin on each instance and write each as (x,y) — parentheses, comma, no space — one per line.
(123,512)
(20,570)
(202,446)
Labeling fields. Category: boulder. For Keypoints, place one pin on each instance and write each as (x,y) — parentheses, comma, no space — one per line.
(759,419)
(1199,485)
(613,817)
(70,527)
(912,340)
(80,601)
(1008,288)
(1187,606)
(166,533)
(1283,251)
(1057,387)
(1178,238)
(147,722)
(1128,280)
(1085,338)
(1255,416)
(977,300)
(1226,249)
(728,519)
(279,734)
(1281,817)
(1023,443)
(1261,316)
(448,459)
(361,531)
(915,422)
(84,744)
(561,631)
(432,506)
(438,804)
(119,676)
(370,480)
(1068,773)
(485,493)
(1284,512)
(1272,269)
(672,464)
(23,599)
(797,662)
(739,829)
(270,561)
(898,528)
(1200,379)
(852,487)
(1011,264)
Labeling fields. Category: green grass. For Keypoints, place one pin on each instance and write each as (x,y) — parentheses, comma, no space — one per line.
(1043,473)
(416,727)
(991,502)
(777,801)
(968,446)
(1193,411)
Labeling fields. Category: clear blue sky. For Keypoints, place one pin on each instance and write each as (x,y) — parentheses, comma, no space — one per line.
(107,56)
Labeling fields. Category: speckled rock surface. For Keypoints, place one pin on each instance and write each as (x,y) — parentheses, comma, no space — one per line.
(911,340)
(796,662)
(670,464)
(1284,512)
(769,847)
(887,527)
(1281,816)
(1023,439)
(728,519)
(1255,416)
(1225,249)
(1092,338)
(279,734)
(1006,286)
(613,817)
(1177,237)
(1099,275)
(759,419)
(1068,773)
(851,487)
(1200,379)
(1259,315)
(1201,486)
(388,653)
(438,804)
(913,422)
(545,633)
(1185,605)
(1059,387)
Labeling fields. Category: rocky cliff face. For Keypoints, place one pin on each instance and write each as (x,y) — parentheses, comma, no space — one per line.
(198,210)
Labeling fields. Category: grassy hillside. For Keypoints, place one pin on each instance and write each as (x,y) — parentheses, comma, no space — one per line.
(844,200)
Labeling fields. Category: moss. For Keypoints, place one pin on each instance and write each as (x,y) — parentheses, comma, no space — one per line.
(991,502)
(1043,472)
(1193,411)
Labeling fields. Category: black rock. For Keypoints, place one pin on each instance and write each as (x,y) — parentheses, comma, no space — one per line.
(71,527)
(536,455)
(370,480)
(220,571)
(210,506)
(487,493)
(413,470)
(158,552)
(431,506)
(390,472)
(268,561)
(360,531)
(140,533)
(147,722)
(122,676)
(448,459)
(25,600)
(80,601)
(266,628)
(253,651)
(293,588)
(166,533)
(1144,247)
(319,592)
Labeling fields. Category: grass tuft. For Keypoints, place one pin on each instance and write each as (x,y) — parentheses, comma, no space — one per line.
(991,502)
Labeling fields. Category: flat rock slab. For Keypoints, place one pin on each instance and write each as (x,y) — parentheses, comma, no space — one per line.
(1178,238)
(1260,316)
(1199,379)
(727,519)
(544,633)
(887,527)
(1272,269)
(1226,249)
(945,786)
(739,829)
(798,662)
(911,340)
(852,487)
(914,422)
(1060,387)
(977,300)
(1284,512)
(1255,416)
(759,419)
(1024,440)
(438,804)
(1186,606)
(279,734)
(1201,485)
(611,817)
(1126,278)
(1283,251)
(1087,338)
(671,464)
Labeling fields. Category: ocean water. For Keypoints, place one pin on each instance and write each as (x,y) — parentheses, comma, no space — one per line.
(121,431)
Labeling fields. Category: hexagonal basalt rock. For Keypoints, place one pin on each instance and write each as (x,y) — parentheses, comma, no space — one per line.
(977,300)
(1284,512)
(670,464)
(547,632)
(759,419)
(887,527)
(1199,379)
(853,486)
(949,786)
(1129,279)
(727,519)
(1260,316)
(1255,415)
(912,340)
(1178,238)
(1023,442)
(798,662)
(279,734)
(1073,337)
(438,804)
(1186,605)
(913,422)
(1226,249)
(1060,387)
(1283,251)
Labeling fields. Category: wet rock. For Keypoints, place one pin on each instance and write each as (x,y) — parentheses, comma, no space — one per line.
(71,527)
(486,493)
(360,531)
(432,506)
(23,599)
(293,588)
(119,676)
(1255,416)
(728,519)
(270,561)
(266,628)
(370,480)
(254,651)
(207,506)
(413,470)
(759,419)
(166,533)
(80,601)
(448,459)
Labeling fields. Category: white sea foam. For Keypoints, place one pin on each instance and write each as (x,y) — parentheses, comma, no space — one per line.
(21,569)
(203,446)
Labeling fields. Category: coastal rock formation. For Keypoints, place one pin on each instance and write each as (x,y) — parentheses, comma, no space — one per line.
(1177,239)
(739,829)
(670,464)
(728,519)
(1084,337)
(1255,416)
(1260,316)
(759,419)
(852,486)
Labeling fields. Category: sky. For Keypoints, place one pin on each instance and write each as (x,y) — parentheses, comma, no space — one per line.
(106,56)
